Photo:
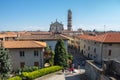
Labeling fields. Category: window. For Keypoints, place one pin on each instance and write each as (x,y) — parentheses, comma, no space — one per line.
(94,56)
(109,53)
(36,63)
(94,50)
(110,44)
(22,64)
(84,46)
(22,53)
(35,53)
(94,42)
(91,55)
(88,55)
(84,52)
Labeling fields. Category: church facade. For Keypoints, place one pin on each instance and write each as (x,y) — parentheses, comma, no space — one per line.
(57,27)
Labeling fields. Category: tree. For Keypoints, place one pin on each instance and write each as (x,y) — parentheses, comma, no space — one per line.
(69,59)
(47,52)
(60,54)
(49,56)
(5,66)
(51,61)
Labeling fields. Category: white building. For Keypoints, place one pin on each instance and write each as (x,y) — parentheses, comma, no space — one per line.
(25,53)
(101,47)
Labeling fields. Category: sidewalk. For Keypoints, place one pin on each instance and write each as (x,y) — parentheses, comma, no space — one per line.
(53,76)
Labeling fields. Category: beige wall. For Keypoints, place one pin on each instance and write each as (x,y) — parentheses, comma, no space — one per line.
(101,50)
(29,57)
(115,51)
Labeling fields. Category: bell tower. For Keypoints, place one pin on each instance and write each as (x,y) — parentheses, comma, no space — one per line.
(69,25)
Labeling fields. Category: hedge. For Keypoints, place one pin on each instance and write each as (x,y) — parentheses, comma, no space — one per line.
(15,78)
(28,69)
(40,72)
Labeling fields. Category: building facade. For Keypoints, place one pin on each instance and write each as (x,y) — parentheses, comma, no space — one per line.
(25,53)
(101,47)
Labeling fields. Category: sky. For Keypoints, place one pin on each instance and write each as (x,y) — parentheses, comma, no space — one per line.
(19,15)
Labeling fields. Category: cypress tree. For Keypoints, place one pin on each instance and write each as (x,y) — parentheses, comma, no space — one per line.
(5,66)
(60,54)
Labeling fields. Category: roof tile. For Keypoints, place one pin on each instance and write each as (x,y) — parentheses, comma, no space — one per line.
(106,38)
(23,44)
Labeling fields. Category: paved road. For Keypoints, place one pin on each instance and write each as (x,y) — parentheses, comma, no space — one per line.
(78,60)
(76,77)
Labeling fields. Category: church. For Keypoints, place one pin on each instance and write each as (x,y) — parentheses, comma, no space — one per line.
(58,27)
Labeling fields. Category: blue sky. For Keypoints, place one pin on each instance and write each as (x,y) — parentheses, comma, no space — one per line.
(38,14)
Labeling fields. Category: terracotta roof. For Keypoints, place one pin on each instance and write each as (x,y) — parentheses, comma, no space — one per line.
(43,37)
(10,33)
(41,33)
(22,32)
(67,31)
(23,44)
(106,38)
(7,35)
(34,33)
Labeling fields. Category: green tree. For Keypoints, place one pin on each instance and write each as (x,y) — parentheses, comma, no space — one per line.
(47,48)
(49,56)
(5,66)
(69,59)
(47,52)
(60,54)
(51,61)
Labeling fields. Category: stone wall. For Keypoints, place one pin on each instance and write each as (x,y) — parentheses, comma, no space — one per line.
(116,67)
(95,73)
(113,67)
(92,71)
(103,77)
